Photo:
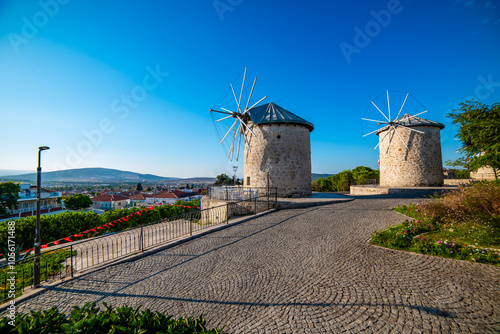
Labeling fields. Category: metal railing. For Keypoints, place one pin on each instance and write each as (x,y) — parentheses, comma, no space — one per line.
(62,261)
(240,193)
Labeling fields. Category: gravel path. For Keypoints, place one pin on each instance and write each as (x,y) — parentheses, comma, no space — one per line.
(308,270)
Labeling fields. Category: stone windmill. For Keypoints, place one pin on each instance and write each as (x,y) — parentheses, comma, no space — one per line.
(276,143)
(409,146)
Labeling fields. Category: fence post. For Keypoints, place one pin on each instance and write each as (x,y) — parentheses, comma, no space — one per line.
(190,225)
(267,191)
(71,254)
(255,205)
(141,241)
(227,213)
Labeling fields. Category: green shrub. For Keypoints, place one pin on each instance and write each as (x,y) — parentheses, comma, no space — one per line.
(61,225)
(463,224)
(90,319)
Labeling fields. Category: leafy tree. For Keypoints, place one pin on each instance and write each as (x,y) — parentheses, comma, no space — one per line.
(78,201)
(479,132)
(363,173)
(8,196)
(223,179)
(139,187)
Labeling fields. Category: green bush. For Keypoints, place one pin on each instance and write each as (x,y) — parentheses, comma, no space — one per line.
(58,226)
(463,224)
(342,180)
(90,319)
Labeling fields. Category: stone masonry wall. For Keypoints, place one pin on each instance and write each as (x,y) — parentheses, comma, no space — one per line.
(283,150)
(420,165)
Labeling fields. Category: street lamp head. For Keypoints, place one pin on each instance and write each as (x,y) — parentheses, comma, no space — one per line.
(43,148)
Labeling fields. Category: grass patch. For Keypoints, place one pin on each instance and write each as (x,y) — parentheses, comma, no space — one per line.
(463,224)
(51,264)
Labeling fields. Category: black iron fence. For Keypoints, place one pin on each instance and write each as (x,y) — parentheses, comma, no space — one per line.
(241,193)
(63,261)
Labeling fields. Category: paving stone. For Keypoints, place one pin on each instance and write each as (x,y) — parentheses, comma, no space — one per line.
(296,271)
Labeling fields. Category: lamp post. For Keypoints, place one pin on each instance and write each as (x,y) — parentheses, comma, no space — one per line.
(36,271)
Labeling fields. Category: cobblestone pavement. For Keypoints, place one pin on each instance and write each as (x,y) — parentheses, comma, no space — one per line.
(307,270)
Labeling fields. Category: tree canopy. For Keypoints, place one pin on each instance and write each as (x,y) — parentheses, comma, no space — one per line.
(479,132)
(139,187)
(8,196)
(224,180)
(77,202)
(342,180)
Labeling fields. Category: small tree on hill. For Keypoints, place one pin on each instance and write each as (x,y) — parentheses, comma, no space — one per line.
(139,187)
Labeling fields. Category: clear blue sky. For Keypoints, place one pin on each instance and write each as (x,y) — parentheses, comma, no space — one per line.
(66,68)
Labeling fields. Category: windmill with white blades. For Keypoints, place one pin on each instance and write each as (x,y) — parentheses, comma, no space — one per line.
(409,145)
(276,142)
(239,127)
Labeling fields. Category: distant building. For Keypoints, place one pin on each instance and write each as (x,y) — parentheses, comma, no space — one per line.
(109,202)
(170,197)
(139,199)
(27,200)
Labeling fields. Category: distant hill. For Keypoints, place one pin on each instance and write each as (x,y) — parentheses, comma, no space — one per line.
(107,175)
(10,172)
(315,176)
(94,175)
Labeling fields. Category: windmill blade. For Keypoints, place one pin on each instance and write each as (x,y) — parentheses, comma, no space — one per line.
(223,112)
(381,140)
(388,104)
(245,125)
(406,127)
(250,96)
(234,139)
(241,92)
(255,104)
(400,137)
(420,113)
(232,112)
(402,106)
(380,111)
(224,118)
(234,94)
(388,151)
(370,133)
(246,141)
(239,141)
(374,120)
(229,131)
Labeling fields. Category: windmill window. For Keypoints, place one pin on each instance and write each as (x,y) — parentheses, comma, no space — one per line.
(248,180)
(279,137)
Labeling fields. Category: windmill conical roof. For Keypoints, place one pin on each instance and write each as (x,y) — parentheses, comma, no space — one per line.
(273,113)
(410,121)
